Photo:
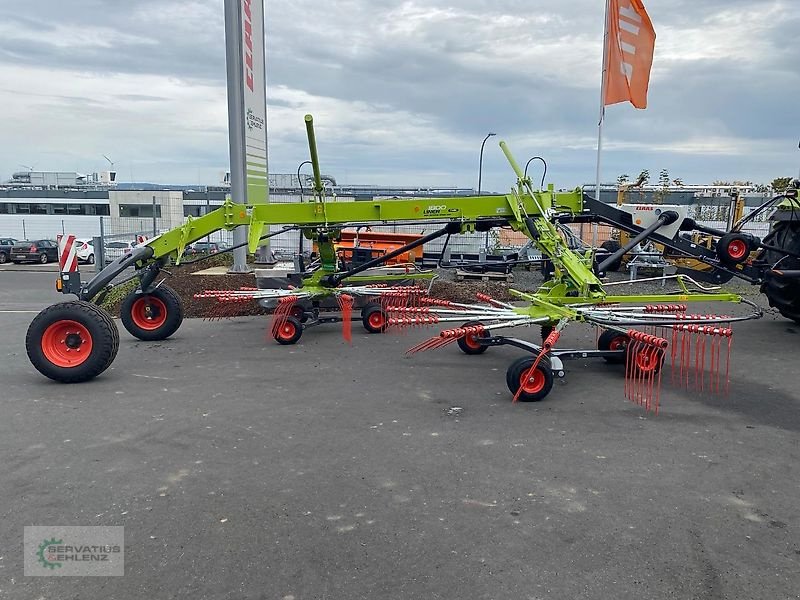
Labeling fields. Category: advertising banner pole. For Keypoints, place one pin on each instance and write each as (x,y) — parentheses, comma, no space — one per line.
(247,112)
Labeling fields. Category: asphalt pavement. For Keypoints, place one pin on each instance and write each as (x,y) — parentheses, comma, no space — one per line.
(244,469)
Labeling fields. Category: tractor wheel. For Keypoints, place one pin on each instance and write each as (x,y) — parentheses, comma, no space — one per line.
(536,385)
(733,248)
(152,316)
(613,340)
(72,342)
(783,293)
(469,344)
(612,246)
(289,332)
(373,317)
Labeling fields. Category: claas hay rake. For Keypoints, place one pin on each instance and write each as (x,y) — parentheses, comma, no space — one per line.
(76,341)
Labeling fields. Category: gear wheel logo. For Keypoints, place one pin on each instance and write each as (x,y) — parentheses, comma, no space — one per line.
(43,558)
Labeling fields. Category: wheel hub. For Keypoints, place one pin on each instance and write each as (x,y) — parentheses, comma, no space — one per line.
(737,249)
(73,341)
(532,381)
(66,343)
(149,312)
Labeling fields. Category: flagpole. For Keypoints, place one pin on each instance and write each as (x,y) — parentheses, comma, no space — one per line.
(602,115)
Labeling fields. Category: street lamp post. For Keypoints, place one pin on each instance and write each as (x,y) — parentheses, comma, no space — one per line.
(480,173)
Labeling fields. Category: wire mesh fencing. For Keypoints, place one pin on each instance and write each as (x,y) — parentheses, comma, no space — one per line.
(113,236)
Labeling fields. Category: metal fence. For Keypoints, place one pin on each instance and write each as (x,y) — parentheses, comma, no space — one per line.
(46,227)
(287,245)
(113,234)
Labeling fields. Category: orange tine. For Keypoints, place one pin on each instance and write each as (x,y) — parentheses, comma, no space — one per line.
(673,353)
(703,363)
(658,385)
(728,363)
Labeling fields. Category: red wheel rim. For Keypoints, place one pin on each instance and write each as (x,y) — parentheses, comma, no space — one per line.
(737,249)
(376,320)
(149,312)
(66,344)
(471,340)
(532,383)
(646,361)
(618,343)
(287,330)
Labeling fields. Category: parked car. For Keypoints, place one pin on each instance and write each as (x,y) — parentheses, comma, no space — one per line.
(205,248)
(5,249)
(41,251)
(115,250)
(85,251)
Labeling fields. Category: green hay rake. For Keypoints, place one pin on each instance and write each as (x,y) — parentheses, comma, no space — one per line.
(76,341)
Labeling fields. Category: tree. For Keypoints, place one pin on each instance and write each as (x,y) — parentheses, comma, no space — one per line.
(779,184)
(644,177)
(622,179)
(677,182)
(663,187)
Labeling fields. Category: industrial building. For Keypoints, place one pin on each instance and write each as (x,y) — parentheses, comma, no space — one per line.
(42,204)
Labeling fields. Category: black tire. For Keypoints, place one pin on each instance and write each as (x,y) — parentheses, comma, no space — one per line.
(467,343)
(543,370)
(612,246)
(782,293)
(90,259)
(613,340)
(290,332)
(3,258)
(43,260)
(153,325)
(374,318)
(104,338)
(734,248)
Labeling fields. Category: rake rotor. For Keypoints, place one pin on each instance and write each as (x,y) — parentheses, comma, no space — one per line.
(648,334)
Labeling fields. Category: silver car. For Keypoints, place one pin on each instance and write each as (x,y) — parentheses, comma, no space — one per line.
(117,249)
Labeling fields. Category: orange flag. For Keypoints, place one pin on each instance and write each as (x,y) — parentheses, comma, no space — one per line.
(629,53)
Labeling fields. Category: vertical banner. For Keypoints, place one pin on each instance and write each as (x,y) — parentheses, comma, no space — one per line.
(255,102)
(247,113)
(629,53)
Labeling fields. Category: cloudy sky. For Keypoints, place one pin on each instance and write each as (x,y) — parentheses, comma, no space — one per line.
(402,92)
